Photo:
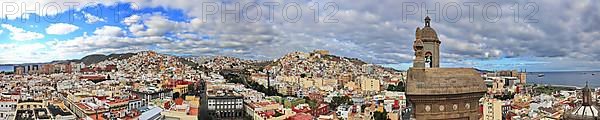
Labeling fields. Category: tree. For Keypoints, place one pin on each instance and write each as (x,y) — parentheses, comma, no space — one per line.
(348,100)
(312,103)
(391,88)
(399,88)
(362,108)
(505,96)
(339,100)
(380,115)
(277,114)
(176,95)
(241,78)
(191,89)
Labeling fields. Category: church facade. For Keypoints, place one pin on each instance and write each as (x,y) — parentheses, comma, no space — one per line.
(440,93)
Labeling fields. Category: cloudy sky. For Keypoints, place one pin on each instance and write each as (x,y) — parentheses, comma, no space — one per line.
(532,35)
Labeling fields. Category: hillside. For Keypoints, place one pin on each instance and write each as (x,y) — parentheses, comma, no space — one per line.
(92,59)
(323,64)
(96,58)
(296,63)
(315,63)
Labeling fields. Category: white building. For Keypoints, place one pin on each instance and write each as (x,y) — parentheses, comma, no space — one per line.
(7,109)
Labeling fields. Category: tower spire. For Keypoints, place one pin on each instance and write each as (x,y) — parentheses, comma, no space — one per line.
(427,21)
(587,97)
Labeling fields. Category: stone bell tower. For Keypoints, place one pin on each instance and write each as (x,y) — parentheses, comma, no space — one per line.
(429,52)
(440,93)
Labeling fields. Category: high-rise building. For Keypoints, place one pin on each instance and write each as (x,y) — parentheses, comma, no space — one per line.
(19,70)
(369,84)
(47,69)
(441,93)
(492,109)
(221,104)
(523,77)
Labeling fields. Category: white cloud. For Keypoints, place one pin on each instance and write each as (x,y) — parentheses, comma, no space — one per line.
(91,18)
(136,29)
(20,34)
(133,19)
(4,47)
(155,25)
(109,31)
(61,29)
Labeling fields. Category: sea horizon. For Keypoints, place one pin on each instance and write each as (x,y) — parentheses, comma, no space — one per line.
(570,78)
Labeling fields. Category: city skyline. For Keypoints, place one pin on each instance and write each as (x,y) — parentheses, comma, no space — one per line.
(299,60)
(559,36)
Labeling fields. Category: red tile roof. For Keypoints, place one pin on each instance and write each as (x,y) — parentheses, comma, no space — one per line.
(300,116)
(179,101)
(193,111)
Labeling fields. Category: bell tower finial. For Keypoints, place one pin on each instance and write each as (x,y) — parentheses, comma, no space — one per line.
(427,21)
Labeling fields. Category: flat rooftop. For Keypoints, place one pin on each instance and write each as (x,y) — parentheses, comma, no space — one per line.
(222,93)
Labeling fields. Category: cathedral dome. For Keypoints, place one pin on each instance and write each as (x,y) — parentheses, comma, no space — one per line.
(427,32)
(587,110)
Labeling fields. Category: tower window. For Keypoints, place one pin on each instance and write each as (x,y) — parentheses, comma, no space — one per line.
(428,60)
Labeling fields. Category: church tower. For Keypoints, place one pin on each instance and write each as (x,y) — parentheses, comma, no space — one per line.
(587,97)
(429,47)
(587,110)
(440,93)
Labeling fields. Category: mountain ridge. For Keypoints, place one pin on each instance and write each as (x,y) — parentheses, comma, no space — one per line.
(96,58)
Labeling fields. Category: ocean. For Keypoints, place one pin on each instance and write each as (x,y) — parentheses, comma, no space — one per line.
(6,68)
(571,78)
